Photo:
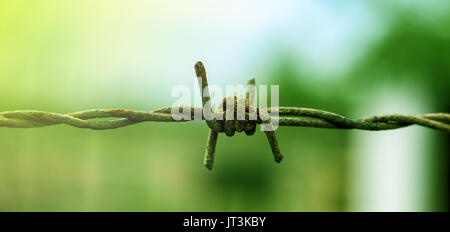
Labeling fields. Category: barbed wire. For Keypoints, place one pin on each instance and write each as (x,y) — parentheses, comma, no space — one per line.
(287,116)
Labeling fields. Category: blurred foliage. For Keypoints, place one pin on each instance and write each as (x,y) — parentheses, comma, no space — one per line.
(415,53)
(158,166)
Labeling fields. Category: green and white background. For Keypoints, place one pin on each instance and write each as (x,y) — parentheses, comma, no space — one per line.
(356,58)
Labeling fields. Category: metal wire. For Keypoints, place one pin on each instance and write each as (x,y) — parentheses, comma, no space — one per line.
(288,116)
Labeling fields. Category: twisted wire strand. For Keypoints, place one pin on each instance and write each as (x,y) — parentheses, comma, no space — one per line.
(288,116)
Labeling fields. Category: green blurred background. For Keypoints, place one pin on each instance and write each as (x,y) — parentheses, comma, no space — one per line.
(355,58)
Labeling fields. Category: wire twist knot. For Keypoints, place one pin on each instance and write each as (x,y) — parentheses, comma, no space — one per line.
(239,115)
(239,120)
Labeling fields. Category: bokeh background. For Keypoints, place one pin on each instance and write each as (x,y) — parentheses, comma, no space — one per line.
(355,58)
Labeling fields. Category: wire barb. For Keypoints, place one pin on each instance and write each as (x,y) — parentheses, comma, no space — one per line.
(288,116)
(230,123)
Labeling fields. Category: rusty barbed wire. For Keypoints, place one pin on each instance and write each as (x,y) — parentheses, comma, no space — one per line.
(288,116)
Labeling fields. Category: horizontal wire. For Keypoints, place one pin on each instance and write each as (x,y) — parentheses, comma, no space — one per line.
(288,116)
(105,119)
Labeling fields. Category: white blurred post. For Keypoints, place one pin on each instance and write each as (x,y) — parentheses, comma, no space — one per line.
(388,168)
